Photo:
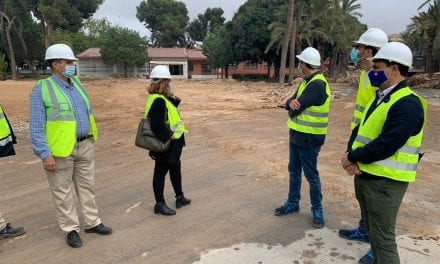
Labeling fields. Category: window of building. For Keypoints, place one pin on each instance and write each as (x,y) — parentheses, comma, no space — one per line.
(206,70)
(176,69)
(250,66)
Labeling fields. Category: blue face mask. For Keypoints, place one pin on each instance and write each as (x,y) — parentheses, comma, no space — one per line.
(354,55)
(377,78)
(69,71)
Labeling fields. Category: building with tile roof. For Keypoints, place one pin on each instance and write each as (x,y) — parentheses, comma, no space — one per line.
(183,64)
(91,64)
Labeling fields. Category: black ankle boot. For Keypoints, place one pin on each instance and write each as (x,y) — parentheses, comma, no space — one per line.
(182,201)
(162,208)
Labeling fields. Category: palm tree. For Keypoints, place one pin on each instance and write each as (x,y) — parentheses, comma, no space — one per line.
(350,7)
(425,25)
(428,2)
(328,25)
(286,39)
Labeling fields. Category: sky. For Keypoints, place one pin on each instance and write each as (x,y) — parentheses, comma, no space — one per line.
(390,15)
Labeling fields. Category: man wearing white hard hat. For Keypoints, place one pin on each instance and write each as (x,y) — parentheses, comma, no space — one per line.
(384,150)
(308,118)
(366,46)
(63,132)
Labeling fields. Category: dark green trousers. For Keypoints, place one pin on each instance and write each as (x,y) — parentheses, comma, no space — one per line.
(380,200)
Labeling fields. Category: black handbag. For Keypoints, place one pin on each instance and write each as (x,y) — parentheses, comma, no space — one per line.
(146,139)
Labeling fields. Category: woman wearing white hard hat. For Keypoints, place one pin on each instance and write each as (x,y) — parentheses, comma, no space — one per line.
(308,118)
(384,149)
(166,124)
(63,132)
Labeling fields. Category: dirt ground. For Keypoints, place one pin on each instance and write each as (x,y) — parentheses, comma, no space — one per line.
(234,170)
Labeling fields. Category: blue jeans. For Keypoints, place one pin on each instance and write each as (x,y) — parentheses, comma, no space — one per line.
(304,159)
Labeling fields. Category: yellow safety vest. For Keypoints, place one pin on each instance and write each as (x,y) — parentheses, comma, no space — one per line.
(60,117)
(5,131)
(402,165)
(314,119)
(365,94)
(174,121)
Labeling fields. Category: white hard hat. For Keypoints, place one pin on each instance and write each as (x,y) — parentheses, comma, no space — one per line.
(311,56)
(374,37)
(59,51)
(160,72)
(395,52)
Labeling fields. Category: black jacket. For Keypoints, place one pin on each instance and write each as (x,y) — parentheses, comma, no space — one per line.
(314,94)
(158,116)
(405,119)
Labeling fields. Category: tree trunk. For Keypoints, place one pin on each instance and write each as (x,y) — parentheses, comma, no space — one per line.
(227,72)
(429,47)
(332,62)
(29,62)
(47,29)
(269,64)
(292,44)
(282,73)
(10,47)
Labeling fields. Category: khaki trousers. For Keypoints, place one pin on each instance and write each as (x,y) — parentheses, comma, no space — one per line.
(75,173)
(2,222)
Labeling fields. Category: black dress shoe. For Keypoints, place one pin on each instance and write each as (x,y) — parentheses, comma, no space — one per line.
(182,201)
(162,208)
(100,229)
(9,231)
(73,239)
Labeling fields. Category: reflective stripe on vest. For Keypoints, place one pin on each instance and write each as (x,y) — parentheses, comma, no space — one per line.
(365,94)
(5,131)
(402,165)
(60,117)
(314,119)
(174,121)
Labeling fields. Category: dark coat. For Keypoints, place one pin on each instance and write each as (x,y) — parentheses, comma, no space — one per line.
(315,94)
(405,119)
(158,116)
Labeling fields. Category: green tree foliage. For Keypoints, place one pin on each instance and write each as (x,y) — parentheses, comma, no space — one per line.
(331,26)
(166,20)
(19,31)
(423,34)
(91,35)
(428,2)
(122,46)
(218,47)
(200,27)
(250,32)
(95,29)
(62,14)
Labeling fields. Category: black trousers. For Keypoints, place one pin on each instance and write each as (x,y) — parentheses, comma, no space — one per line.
(161,168)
